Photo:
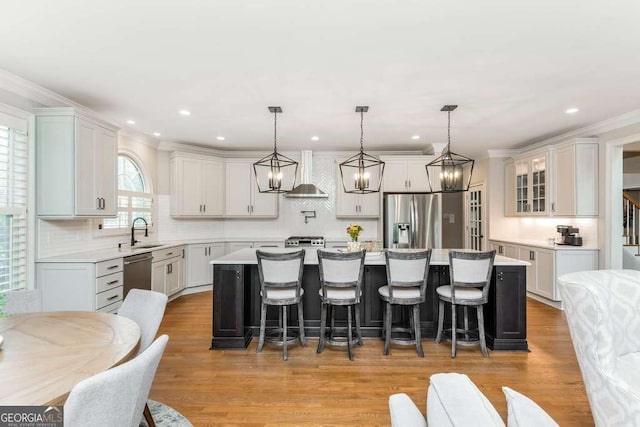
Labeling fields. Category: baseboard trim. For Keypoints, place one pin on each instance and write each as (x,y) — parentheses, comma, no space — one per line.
(554,304)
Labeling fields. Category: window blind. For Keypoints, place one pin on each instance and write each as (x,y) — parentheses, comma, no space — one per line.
(13,208)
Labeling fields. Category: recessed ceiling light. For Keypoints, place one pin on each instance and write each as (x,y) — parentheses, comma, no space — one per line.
(156,134)
(185,112)
(131,122)
(315,138)
(415,137)
(572,110)
(220,138)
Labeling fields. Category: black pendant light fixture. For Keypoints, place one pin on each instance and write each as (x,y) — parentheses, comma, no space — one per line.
(445,173)
(275,173)
(361,173)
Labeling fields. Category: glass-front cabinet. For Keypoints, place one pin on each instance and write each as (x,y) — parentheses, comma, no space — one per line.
(538,185)
(530,182)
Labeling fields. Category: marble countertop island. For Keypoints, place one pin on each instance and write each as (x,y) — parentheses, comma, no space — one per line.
(438,257)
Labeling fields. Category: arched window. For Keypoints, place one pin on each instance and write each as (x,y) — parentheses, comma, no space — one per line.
(134,196)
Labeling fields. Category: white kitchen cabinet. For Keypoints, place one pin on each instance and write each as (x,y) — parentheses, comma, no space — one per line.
(525,254)
(242,196)
(540,273)
(531,184)
(405,174)
(81,286)
(76,167)
(265,244)
(236,246)
(575,178)
(506,249)
(547,264)
(510,188)
(561,180)
(357,205)
(199,272)
(197,186)
(167,270)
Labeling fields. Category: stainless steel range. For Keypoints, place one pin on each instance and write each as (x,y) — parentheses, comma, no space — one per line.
(304,242)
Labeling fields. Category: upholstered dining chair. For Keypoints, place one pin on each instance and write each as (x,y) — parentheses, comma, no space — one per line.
(281,285)
(340,285)
(146,308)
(407,273)
(23,301)
(115,397)
(470,278)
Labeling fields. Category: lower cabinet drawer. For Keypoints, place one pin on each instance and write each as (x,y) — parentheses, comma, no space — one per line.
(111,308)
(110,281)
(109,297)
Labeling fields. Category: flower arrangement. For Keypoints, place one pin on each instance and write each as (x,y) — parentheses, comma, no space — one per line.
(354,231)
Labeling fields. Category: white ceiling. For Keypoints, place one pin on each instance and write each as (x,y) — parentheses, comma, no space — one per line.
(513,67)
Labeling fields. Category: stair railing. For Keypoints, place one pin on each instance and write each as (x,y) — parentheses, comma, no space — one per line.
(631,220)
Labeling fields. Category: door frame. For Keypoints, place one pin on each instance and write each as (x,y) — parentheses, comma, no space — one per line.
(481,186)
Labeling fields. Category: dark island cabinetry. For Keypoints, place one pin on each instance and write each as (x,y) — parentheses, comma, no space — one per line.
(236,305)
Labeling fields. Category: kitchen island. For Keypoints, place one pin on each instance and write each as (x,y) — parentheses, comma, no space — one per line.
(236,299)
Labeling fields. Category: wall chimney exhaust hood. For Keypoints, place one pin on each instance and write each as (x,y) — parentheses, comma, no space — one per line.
(306,189)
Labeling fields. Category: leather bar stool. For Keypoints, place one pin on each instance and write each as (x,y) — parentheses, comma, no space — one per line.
(407,273)
(470,278)
(281,285)
(340,285)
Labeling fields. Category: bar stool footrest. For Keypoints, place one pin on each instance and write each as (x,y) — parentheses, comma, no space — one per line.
(273,337)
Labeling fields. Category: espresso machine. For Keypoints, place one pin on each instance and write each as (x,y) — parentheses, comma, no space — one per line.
(568,235)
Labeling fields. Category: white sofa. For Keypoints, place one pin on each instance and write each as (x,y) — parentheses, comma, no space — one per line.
(453,400)
(603,312)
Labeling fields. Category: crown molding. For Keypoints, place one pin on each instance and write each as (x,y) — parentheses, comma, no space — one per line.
(45,97)
(502,153)
(139,137)
(627,119)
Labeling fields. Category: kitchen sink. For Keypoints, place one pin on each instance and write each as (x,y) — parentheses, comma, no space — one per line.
(148,246)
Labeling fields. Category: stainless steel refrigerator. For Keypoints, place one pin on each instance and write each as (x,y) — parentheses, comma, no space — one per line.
(411,220)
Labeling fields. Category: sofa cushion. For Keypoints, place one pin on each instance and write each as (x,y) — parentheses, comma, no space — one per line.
(628,371)
(524,412)
(453,400)
(404,413)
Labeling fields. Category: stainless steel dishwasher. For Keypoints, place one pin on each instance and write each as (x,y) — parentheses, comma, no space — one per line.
(137,272)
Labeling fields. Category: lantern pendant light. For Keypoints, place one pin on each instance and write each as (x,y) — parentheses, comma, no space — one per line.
(445,173)
(275,173)
(361,173)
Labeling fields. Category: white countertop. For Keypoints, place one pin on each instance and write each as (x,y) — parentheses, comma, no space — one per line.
(100,255)
(543,244)
(438,257)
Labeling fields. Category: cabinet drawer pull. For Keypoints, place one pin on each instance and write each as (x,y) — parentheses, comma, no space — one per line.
(501,276)
(204,208)
(111,267)
(532,256)
(113,297)
(169,253)
(113,282)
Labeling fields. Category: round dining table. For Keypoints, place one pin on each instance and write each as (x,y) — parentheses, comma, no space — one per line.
(44,355)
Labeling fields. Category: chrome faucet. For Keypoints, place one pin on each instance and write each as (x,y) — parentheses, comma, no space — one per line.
(133,227)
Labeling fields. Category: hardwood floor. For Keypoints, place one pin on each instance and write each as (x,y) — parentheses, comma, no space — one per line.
(242,387)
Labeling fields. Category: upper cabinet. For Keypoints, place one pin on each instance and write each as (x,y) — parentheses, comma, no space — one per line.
(575,172)
(242,196)
(357,205)
(561,180)
(197,186)
(76,168)
(405,174)
(531,189)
